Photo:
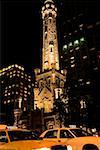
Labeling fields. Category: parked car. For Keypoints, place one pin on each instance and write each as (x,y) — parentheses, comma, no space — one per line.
(22,139)
(75,138)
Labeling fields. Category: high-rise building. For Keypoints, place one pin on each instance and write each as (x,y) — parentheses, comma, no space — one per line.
(16,90)
(50,80)
(81,58)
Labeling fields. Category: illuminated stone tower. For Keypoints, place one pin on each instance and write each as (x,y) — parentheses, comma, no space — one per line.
(50,58)
(50,79)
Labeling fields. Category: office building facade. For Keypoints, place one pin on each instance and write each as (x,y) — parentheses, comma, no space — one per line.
(16,96)
(81,57)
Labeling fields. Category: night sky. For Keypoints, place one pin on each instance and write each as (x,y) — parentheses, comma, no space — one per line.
(21,28)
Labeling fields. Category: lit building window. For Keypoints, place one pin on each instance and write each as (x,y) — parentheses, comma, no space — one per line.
(64,47)
(5,91)
(72,57)
(22,73)
(16,65)
(73,65)
(29,77)
(21,94)
(96,68)
(88,82)
(98,23)
(77,48)
(9,67)
(75,31)
(29,93)
(12,92)
(8,101)
(81,25)
(70,44)
(8,93)
(82,39)
(76,42)
(72,61)
(92,49)
(25,99)
(80,80)
(20,67)
(4,102)
(90,26)
(10,76)
(29,80)
(17,75)
(70,33)
(5,94)
(29,86)
(16,92)
(25,95)
(25,75)
(9,86)
(47,5)
(24,108)
(84,57)
(12,66)
(71,50)
(52,5)
(32,84)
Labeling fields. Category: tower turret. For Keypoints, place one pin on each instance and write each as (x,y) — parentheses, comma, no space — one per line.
(50,56)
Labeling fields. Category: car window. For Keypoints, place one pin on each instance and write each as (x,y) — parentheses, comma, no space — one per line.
(51,134)
(22,135)
(3,137)
(80,132)
(65,134)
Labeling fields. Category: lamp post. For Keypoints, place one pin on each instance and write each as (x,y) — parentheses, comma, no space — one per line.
(17,112)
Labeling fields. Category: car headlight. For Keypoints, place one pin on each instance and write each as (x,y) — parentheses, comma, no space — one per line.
(69,147)
(43,148)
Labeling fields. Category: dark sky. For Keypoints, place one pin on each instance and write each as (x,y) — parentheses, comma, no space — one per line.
(21,26)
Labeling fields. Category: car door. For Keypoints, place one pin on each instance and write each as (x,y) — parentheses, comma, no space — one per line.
(51,135)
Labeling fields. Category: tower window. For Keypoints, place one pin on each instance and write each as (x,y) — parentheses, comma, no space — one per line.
(51,43)
(50,20)
(45,28)
(51,49)
(45,36)
(50,14)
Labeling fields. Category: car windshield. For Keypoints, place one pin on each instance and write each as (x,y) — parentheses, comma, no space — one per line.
(80,132)
(22,135)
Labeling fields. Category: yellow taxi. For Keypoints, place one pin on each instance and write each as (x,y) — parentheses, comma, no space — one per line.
(75,138)
(22,139)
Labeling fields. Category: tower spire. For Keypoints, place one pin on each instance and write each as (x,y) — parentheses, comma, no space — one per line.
(50,56)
